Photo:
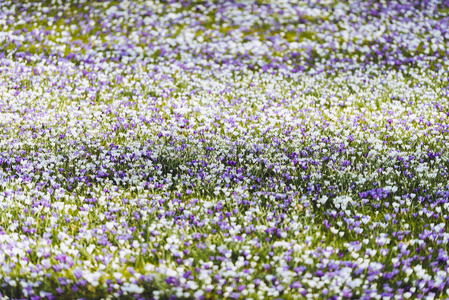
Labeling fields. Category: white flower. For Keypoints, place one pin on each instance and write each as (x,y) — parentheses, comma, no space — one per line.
(342,202)
(323,199)
(132,288)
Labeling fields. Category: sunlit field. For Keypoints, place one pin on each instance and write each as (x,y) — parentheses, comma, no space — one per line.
(224,149)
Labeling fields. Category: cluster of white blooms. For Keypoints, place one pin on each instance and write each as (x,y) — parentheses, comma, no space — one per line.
(342,202)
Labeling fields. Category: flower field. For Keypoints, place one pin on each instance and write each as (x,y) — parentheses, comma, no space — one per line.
(224,149)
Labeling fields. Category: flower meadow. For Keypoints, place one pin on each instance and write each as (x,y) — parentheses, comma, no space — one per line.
(224,149)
